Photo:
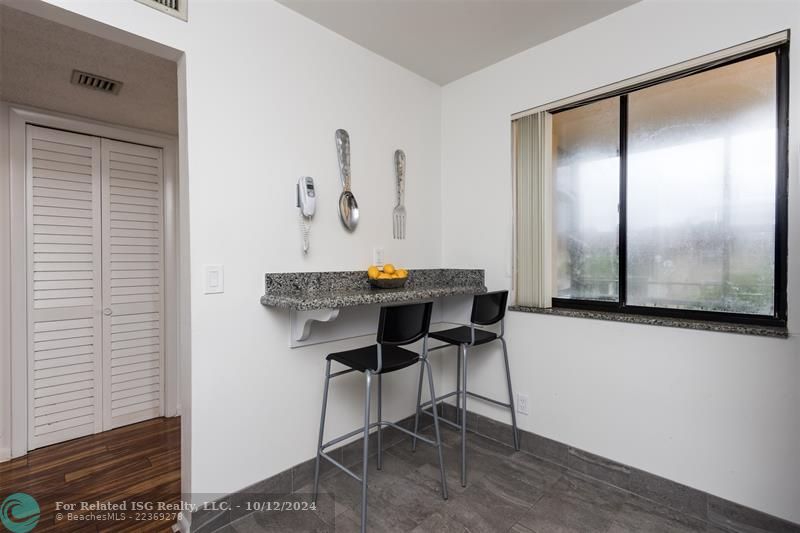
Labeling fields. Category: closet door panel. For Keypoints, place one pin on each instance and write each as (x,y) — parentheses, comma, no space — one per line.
(64,285)
(132,282)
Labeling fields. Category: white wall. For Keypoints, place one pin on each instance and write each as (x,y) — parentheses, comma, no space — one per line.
(714,411)
(255,402)
(266,89)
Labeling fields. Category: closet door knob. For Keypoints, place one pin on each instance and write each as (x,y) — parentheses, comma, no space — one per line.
(107,311)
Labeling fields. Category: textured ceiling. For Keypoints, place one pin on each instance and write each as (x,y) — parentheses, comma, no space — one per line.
(37,58)
(444,40)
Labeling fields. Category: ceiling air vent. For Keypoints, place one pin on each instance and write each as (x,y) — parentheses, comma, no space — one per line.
(93,81)
(176,8)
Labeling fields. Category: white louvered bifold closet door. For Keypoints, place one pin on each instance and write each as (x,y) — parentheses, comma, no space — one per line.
(132,283)
(64,291)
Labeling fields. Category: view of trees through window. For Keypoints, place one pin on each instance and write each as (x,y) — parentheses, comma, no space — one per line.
(699,170)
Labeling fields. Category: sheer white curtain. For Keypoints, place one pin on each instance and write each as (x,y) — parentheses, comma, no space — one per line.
(532,153)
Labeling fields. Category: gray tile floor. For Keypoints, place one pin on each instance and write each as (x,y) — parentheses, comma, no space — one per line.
(507,491)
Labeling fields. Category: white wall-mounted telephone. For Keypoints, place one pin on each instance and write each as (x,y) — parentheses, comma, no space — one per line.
(307,203)
(306,196)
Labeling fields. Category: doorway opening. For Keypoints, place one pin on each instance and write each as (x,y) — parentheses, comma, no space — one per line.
(91,364)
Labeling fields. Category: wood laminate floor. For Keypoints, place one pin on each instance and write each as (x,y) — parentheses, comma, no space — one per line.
(140,462)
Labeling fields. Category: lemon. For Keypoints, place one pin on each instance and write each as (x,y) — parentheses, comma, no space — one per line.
(402,273)
(373,272)
(388,268)
(384,275)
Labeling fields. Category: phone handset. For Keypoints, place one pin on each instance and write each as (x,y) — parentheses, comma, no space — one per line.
(306,196)
(307,202)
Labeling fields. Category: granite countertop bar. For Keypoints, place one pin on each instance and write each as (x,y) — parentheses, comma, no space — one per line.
(305,291)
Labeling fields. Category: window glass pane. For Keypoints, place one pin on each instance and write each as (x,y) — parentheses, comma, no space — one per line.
(586,199)
(701,190)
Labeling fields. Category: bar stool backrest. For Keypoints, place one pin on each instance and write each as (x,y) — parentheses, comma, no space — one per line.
(489,308)
(404,324)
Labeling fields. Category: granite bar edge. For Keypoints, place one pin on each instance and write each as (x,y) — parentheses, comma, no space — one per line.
(698,325)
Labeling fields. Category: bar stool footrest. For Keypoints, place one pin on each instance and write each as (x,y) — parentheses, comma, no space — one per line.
(340,465)
(439,400)
(487,399)
(382,423)
(410,433)
(441,419)
(473,394)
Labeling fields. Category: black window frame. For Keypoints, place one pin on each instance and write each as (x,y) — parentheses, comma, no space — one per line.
(779,316)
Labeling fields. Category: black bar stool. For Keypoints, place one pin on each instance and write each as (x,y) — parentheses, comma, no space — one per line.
(487,309)
(399,325)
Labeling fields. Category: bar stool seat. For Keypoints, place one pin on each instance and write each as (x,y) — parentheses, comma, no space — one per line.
(463,335)
(366,358)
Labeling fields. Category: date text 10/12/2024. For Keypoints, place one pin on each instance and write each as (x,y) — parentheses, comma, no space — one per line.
(183,506)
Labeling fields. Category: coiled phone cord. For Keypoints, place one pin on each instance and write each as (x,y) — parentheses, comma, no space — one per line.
(305,230)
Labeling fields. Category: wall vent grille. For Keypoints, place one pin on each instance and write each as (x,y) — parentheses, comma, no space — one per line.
(176,8)
(93,81)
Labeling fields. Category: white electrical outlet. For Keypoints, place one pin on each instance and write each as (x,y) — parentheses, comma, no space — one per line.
(522,404)
(377,256)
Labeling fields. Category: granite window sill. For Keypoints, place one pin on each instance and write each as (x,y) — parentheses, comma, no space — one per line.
(719,327)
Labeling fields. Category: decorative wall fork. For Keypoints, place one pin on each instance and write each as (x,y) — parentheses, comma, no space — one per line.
(399,213)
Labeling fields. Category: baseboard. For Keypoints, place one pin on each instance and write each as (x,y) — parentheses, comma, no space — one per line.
(5,454)
(713,509)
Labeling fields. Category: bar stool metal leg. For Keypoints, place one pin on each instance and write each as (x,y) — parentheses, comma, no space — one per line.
(321,428)
(436,430)
(380,429)
(365,463)
(458,389)
(464,415)
(510,396)
(419,403)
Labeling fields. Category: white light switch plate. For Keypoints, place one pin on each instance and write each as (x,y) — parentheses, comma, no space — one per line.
(213,279)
